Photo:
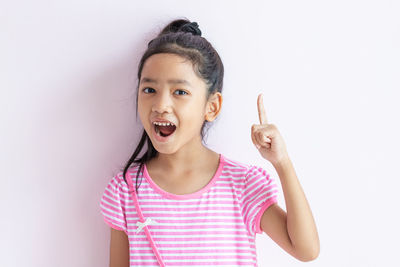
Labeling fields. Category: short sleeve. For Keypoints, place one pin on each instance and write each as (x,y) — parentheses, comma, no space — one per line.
(112,205)
(260,191)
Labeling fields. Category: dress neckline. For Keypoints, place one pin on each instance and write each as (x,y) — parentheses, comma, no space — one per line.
(190,195)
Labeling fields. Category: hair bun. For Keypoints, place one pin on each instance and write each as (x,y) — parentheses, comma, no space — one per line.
(191,27)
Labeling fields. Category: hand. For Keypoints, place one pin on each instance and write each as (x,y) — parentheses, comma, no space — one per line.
(267,138)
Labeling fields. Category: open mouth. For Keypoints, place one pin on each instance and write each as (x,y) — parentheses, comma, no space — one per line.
(164,131)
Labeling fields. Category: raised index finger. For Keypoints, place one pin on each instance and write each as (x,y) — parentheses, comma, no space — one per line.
(261,110)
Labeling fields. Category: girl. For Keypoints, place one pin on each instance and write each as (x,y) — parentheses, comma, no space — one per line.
(194,206)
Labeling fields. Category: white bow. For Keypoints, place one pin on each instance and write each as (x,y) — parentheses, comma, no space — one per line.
(147,222)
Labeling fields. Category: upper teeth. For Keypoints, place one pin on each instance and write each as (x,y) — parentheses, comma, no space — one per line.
(163,123)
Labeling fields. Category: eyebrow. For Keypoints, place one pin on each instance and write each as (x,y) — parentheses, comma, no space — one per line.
(171,81)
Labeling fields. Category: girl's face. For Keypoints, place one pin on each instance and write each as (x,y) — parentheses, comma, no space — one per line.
(169,89)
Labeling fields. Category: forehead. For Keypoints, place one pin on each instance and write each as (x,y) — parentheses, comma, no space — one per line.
(166,67)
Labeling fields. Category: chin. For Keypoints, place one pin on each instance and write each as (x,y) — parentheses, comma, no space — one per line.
(164,150)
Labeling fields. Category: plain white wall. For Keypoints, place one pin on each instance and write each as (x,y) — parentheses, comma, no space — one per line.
(329,71)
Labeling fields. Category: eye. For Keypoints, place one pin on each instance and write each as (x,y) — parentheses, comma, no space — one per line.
(147,88)
(181,91)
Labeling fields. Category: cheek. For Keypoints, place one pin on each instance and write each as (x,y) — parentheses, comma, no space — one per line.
(144,117)
(141,104)
(192,120)
(140,113)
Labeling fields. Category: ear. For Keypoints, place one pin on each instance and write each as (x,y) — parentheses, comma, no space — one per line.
(213,106)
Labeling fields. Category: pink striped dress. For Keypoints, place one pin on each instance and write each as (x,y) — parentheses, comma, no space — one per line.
(214,226)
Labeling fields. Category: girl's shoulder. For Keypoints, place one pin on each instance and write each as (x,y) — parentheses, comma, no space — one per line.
(244,168)
(235,164)
(119,181)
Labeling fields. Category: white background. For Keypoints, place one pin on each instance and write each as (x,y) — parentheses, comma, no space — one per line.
(329,71)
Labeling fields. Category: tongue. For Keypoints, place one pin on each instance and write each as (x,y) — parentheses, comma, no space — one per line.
(166,130)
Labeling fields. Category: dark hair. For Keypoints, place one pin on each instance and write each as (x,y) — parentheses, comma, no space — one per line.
(183,38)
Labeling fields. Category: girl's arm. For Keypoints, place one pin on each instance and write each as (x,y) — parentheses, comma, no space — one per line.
(119,249)
(294,231)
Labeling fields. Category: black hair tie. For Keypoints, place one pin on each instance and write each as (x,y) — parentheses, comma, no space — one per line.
(191,27)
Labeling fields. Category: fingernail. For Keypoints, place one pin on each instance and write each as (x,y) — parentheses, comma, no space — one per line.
(258,146)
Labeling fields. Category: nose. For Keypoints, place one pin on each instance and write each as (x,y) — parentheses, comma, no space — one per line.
(162,102)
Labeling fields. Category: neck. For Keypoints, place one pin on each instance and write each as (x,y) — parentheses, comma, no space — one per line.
(184,160)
